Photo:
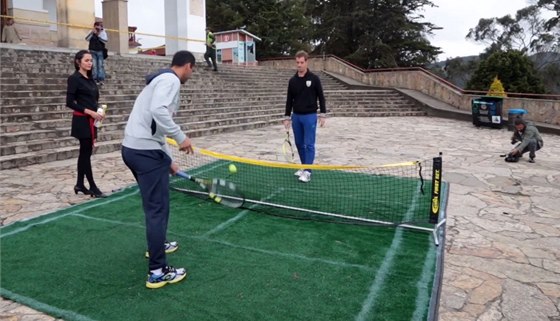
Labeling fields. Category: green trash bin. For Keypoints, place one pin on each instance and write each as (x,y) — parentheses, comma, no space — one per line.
(487,111)
(512,114)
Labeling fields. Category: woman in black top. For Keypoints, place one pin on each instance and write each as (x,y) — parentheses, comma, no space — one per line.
(82,96)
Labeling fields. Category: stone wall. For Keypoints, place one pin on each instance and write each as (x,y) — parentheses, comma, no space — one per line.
(539,110)
(32,31)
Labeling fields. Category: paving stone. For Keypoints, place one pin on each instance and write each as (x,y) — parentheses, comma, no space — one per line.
(522,302)
(502,246)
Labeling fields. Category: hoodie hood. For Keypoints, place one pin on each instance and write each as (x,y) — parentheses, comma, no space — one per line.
(152,76)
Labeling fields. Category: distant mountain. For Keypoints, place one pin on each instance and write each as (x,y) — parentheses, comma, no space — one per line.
(456,70)
(459,70)
(543,59)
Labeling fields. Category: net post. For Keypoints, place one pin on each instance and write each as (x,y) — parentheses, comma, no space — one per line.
(436,189)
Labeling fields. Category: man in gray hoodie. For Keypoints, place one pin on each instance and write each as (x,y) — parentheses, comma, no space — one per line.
(145,153)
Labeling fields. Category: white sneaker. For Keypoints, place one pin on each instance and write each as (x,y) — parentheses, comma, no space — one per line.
(305,176)
(169,275)
(299,172)
(170,247)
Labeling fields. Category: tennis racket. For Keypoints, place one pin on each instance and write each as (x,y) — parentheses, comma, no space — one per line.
(505,155)
(219,190)
(288,149)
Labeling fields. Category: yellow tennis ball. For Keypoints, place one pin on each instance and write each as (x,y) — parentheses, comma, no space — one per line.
(232,168)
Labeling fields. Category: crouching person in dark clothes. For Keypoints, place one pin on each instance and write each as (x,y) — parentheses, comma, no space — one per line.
(530,140)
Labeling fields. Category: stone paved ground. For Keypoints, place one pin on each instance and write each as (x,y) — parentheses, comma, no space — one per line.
(502,253)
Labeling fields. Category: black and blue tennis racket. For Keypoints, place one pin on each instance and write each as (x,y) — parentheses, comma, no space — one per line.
(219,190)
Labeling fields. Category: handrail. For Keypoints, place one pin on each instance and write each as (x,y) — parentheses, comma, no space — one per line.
(423,70)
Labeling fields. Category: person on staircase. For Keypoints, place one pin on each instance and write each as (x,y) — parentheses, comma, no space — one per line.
(82,96)
(97,38)
(210,49)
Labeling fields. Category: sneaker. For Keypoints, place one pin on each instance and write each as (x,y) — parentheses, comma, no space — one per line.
(299,172)
(170,247)
(531,160)
(169,275)
(305,177)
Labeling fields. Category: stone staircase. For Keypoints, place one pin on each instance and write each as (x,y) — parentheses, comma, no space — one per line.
(35,123)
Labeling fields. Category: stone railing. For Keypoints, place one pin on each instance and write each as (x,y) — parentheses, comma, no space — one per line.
(540,108)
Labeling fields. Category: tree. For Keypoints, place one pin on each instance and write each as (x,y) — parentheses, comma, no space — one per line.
(373,33)
(460,69)
(281,24)
(525,32)
(368,33)
(551,78)
(515,70)
(496,89)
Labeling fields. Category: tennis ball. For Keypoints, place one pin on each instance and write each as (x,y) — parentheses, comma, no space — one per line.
(232,168)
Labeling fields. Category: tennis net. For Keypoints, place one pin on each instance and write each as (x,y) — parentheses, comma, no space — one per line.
(393,194)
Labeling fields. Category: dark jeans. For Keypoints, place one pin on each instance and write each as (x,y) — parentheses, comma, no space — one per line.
(151,170)
(98,69)
(211,53)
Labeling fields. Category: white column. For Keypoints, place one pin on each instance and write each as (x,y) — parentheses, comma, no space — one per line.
(185,24)
(115,17)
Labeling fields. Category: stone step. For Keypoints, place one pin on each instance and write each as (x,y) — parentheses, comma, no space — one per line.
(193,122)
(114,104)
(69,152)
(124,109)
(195,92)
(115,92)
(58,97)
(59,84)
(113,68)
(12,128)
(58,105)
(51,155)
(35,123)
(24,131)
(61,79)
(135,90)
(19,114)
(379,113)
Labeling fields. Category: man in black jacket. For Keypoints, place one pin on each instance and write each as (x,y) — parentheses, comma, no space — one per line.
(304,89)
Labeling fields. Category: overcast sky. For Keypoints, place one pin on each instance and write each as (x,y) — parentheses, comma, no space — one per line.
(456,17)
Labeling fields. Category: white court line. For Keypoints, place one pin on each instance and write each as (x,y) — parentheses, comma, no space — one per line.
(423,295)
(252,249)
(290,255)
(239,216)
(65,314)
(43,306)
(108,220)
(51,219)
(227,223)
(369,303)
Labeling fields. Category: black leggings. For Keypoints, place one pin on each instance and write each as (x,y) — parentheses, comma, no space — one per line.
(84,163)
